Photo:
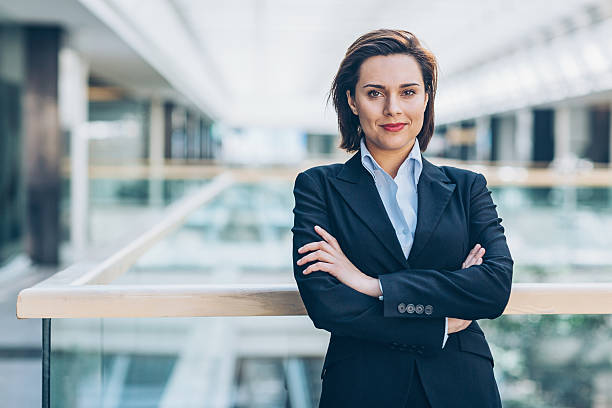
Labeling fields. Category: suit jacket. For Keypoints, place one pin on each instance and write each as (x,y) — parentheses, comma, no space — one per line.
(375,343)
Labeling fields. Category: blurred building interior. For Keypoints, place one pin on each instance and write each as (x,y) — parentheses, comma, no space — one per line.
(112,111)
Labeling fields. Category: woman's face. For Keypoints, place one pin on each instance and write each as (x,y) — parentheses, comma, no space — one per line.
(390,100)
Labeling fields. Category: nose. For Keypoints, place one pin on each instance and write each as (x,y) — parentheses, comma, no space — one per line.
(392,107)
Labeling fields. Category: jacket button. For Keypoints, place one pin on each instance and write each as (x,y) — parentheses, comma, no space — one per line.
(401,308)
(419,309)
(410,308)
(428,309)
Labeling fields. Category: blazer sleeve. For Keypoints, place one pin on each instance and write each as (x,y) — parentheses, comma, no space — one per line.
(337,308)
(480,291)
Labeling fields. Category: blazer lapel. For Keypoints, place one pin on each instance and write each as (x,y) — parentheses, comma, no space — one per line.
(357,188)
(434,192)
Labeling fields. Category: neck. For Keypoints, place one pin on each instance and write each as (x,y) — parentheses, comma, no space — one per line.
(389,160)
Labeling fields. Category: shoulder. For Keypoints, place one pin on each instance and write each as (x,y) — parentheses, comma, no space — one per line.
(320,174)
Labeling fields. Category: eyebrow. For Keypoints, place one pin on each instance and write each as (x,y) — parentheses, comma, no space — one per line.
(382,87)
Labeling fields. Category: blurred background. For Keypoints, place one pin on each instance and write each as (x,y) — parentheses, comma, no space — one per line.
(113,110)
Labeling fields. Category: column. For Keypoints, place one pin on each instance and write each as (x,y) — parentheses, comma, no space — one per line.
(524,135)
(483,138)
(610,140)
(543,146)
(168,108)
(562,152)
(73,105)
(156,152)
(42,144)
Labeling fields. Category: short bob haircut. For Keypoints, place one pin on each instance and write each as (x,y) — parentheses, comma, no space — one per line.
(381,42)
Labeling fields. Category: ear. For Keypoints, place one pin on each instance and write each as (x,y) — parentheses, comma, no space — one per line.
(351,102)
(426,101)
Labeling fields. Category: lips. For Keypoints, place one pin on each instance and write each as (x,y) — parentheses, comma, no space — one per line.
(394,127)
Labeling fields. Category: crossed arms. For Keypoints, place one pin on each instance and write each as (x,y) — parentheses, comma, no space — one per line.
(341,299)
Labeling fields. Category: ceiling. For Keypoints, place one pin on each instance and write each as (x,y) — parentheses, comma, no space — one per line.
(271,62)
(108,55)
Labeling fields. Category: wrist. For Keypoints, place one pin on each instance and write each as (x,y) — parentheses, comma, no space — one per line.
(372,286)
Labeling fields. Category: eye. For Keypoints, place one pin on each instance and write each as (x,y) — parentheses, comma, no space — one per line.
(373,93)
(409,92)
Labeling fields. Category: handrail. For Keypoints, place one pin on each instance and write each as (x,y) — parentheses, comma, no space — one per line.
(81,291)
(497,175)
(103,301)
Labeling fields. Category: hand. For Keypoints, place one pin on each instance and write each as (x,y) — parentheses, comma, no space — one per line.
(456,325)
(333,261)
(474,257)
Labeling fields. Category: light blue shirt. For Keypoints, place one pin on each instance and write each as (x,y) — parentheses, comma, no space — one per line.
(399,196)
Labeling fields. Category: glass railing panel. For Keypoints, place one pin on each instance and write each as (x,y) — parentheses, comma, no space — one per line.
(76,363)
(244,235)
(141,192)
(121,206)
(557,234)
(186,362)
(118,207)
(552,360)
(540,361)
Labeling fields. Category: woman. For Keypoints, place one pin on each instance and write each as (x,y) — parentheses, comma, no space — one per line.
(382,243)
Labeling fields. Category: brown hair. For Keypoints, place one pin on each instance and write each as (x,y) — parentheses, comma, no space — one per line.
(381,42)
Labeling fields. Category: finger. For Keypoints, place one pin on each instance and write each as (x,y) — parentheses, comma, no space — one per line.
(327,237)
(475,249)
(470,257)
(319,266)
(476,253)
(313,246)
(479,255)
(479,261)
(469,261)
(314,256)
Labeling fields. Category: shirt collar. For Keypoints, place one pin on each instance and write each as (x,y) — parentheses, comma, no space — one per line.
(367,160)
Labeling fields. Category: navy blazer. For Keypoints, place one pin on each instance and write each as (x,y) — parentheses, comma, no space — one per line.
(372,340)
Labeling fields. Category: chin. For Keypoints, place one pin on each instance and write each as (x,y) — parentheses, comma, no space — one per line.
(397,142)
